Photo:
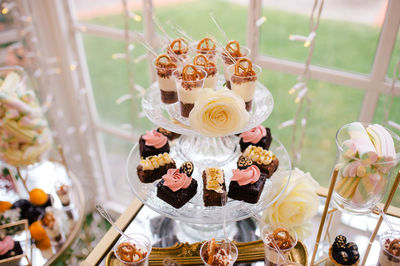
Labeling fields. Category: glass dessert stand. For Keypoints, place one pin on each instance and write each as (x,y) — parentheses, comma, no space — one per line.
(201,221)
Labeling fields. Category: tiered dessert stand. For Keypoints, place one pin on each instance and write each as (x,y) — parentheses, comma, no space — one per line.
(205,152)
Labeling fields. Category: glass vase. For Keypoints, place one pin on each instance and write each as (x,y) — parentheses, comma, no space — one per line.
(364,172)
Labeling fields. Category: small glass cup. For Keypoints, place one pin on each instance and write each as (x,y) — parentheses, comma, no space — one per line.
(141,241)
(63,193)
(272,255)
(212,77)
(227,61)
(188,91)
(229,246)
(167,83)
(244,86)
(385,257)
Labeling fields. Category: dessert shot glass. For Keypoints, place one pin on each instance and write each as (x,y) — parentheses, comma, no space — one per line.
(63,193)
(166,82)
(390,248)
(274,254)
(225,252)
(227,61)
(244,86)
(133,250)
(210,67)
(188,90)
(207,47)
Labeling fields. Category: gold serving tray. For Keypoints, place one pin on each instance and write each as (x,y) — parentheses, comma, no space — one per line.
(188,254)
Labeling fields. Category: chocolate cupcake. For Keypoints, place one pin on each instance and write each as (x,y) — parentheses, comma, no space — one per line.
(9,248)
(343,253)
(214,188)
(265,160)
(153,143)
(154,167)
(177,187)
(258,136)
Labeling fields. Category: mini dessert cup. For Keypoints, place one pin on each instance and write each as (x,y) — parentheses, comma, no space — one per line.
(207,47)
(227,61)
(62,191)
(179,51)
(224,253)
(188,91)
(244,86)
(127,249)
(274,255)
(390,248)
(201,61)
(167,83)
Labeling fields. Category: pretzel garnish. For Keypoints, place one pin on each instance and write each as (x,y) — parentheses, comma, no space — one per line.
(206,44)
(211,250)
(233,48)
(244,67)
(165,61)
(190,72)
(394,247)
(282,238)
(127,252)
(201,60)
(179,46)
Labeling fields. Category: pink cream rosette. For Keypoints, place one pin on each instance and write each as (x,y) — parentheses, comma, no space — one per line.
(155,139)
(254,135)
(250,175)
(6,244)
(175,180)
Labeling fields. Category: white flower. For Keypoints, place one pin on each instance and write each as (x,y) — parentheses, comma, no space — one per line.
(218,113)
(297,204)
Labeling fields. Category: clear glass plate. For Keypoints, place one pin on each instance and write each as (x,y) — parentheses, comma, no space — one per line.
(168,115)
(194,211)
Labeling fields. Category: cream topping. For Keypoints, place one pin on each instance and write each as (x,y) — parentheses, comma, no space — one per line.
(6,245)
(254,135)
(214,179)
(259,155)
(155,139)
(176,180)
(245,90)
(156,161)
(250,175)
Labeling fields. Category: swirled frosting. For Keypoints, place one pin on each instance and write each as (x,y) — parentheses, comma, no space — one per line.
(155,139)
(6,245)
(175,180)
(155,161)
(254,135)
(246,176)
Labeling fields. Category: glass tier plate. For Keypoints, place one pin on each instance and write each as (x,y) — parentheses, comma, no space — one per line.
(168,115)
(194,211)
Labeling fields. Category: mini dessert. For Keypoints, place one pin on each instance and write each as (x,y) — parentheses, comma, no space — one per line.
(28,210)
(177,187)
(63,193)
(5,205)
(247,184)
(207,47)
(243,80)
(214,188)
(40,198)
(9,248)
(211,69)
(164,66)
(217,254)
(178,50)
(280,239)
(51,226)
(343,253)
(153,143)
(129,252)
(37,231)
(154,167)
(189,85)
(390,250)
(258,136)
(230,55)
(265,160)
(169,134)
(44,246)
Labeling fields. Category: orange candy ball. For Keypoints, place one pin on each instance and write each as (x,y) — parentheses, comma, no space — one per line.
(5,205)
(37,231)
(38,197)
(43,244)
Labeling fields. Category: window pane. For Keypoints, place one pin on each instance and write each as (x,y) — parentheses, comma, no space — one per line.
(395,57)
(346,39)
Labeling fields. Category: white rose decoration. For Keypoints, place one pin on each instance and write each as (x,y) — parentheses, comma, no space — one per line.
(297,204)
(218,113)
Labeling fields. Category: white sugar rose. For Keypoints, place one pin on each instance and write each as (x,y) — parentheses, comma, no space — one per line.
(218,113)
(297,204)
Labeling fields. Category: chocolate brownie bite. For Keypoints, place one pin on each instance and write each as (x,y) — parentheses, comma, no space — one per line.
(265,160)
(214,188)
(169,134)
(154,167)
(247,184)
(153,143)
(258,136)
(10,248)
(343,253)
(177,186)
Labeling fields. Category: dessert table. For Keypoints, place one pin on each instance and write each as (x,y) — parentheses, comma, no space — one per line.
(139,218)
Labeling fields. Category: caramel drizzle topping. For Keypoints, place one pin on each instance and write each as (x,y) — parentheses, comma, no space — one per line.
(211,250)
(233,48)
(206,44)
(191,73)
(201,60)
(127,251)
(394,247)
(179,46)
(244,68)
(282,238)
(165,61)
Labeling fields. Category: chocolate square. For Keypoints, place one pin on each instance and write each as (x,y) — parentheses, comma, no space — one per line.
(211,197)
(265,142)
(146,151)
(249,193)
(149,176)
(179,198)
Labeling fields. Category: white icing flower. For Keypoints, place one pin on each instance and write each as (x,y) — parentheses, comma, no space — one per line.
(218,113)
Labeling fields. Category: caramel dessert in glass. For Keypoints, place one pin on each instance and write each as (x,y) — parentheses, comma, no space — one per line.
(243,80)
(390,249)
(277,245)
(164,66)
(62,191)
(133,249)
(207,47)
(189,84)
(218,253)
(211,69)
(232,52)
(178,50)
